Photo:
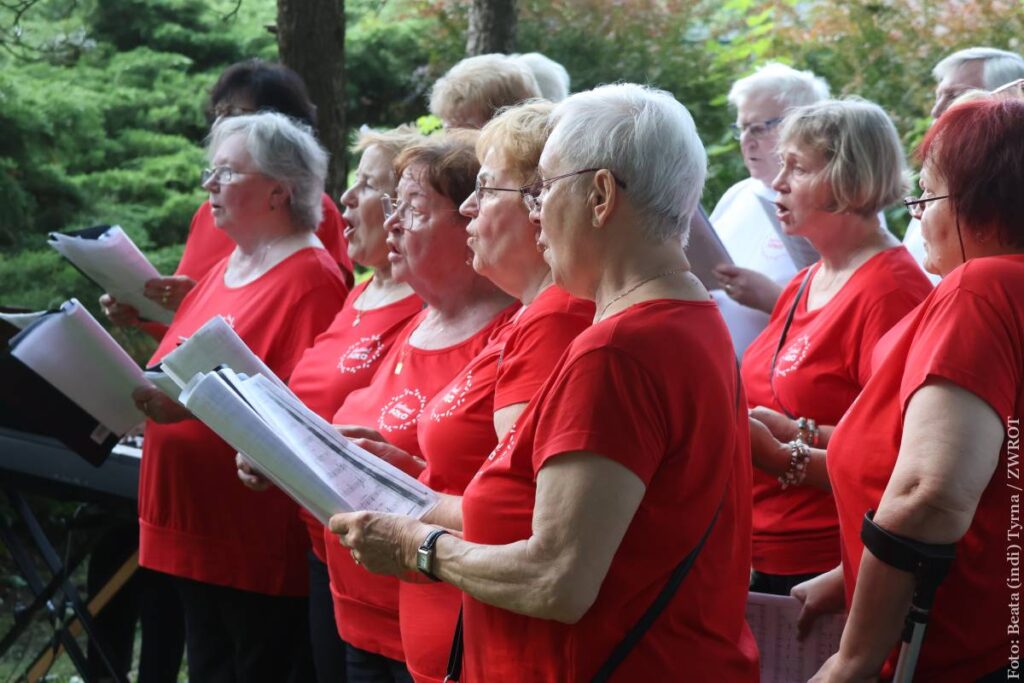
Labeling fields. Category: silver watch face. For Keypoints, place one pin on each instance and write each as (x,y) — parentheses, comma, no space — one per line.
(423,560)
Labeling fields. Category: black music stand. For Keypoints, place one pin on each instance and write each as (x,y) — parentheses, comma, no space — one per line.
(45,592)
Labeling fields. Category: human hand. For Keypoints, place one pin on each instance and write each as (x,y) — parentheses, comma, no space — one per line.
(158,406)
(768,453)
(781,427)
(821,595)
(119,314)
(393,455)
(748,287)
(249,475)
(358,432)
(836,670)
(168,291)
(383,543)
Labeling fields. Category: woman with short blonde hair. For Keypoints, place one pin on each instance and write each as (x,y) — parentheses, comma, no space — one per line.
(477,87)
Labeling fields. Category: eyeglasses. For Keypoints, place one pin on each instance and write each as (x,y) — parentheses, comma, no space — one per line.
(478,190)
(532,193)
(916,206)
(222,175)
(754,129)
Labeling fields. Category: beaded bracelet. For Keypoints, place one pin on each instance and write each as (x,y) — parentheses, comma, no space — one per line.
(799,456)
(807,431)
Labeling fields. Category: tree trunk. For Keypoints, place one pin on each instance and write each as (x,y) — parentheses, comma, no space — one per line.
(311,41)
(492,27)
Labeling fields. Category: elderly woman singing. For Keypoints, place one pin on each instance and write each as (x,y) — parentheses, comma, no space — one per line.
(629,468)
(237,556)
(932,445)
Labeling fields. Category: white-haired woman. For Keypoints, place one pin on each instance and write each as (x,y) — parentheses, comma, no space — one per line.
(237,556)
(473,90)
(842,163)
(633,455)
(763,258)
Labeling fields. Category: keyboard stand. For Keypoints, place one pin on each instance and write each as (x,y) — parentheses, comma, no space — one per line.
(44,592)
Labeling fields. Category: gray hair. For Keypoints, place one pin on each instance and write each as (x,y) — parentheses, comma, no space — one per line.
(865,167)
(647,139)
(482,85)
(1000,66)
(552,78)
(789,87)
(286,151)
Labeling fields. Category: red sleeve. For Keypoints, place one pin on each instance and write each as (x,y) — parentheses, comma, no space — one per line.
(604,402)
(531,354)
(878,320)
(331,232)
(965,340)
(307,318)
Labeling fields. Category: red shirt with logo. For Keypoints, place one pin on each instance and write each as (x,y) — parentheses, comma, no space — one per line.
(654,388)
(365,604)
(206,245)
(456,432)
(196,519)
(970,332)
(342,359)
(822,366)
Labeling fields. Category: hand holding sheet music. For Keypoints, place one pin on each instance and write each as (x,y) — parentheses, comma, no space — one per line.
(298,450)
(108,257)
(784,659)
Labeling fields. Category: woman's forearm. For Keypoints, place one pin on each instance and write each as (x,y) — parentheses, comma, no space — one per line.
(447,513)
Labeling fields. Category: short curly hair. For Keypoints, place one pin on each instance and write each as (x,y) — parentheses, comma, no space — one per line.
(518,133)
(477,87)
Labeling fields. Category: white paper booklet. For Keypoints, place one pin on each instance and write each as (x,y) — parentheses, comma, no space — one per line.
(211,346)
(298,450)
(22,320)
(75,355)
(112,260)
(784,659)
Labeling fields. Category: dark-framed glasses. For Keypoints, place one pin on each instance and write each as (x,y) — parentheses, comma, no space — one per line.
(754,129)
(916,205)
(222,175)
(533,193)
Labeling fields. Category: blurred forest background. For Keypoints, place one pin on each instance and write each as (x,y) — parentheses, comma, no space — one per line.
(102,102)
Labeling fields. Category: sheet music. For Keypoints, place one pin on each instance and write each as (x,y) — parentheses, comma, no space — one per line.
(214,344)
(799,249)
(22,320)
(161,381)
(705,250)
(784,659)
(73,353)
(114,262)
(298,451)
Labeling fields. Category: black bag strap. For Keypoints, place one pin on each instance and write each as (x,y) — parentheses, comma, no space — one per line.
(454,670)
(782,341)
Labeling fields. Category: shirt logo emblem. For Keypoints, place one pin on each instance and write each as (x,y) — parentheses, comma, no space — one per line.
(794,354)
(361,355)
(453,398)
(401,411)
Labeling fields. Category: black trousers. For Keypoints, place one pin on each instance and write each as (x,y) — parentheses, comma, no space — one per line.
(328,647)
(148,597)
(369,667)
(236,636)
(776,584)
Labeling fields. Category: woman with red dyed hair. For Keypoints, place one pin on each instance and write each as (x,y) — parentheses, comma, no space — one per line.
(932,443)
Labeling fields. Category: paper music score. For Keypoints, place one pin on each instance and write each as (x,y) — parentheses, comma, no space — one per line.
(784,659)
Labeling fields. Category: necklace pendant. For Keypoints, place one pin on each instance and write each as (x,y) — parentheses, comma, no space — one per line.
(398,368)
(356,321)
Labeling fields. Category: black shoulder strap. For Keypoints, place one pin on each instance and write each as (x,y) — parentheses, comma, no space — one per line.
(454,671)
(782,341)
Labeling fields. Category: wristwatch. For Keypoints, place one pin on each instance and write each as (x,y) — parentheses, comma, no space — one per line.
(425,554)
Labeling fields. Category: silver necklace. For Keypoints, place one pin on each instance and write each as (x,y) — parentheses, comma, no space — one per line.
(369,306)
(656,276)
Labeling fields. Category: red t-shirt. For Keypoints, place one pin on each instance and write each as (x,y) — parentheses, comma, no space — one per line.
(343,359)
(825,362)
(653,388)
(197,520)
(970,331)
(456,432)
(365,604)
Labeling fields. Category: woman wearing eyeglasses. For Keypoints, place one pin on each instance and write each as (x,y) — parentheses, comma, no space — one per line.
(763,259)
(932,444)
(243,88)
(632,456)
(237,557)
(426,239)
(841,164)
(345,357)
